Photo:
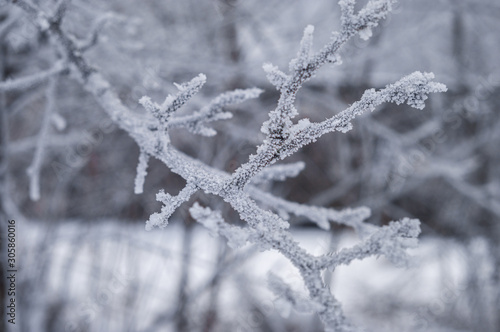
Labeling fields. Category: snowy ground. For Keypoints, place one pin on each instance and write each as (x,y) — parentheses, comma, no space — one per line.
(117,277)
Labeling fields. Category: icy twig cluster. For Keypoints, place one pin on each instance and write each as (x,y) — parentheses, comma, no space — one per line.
(265,214)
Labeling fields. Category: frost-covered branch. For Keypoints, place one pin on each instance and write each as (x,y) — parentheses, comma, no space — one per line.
(279,172)
(213,221)
(412,89)
(288,298)
(62,140)
(390,241)
(196,123)
(93,36)
(36,164)
(32,80)
(280,129)
(141,172)
(171,104)
(264,228)
(366,19)
(321,216)
(7,24)
(170,204)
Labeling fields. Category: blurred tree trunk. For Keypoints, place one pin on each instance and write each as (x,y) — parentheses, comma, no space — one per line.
(182,316)
(458,49)
(3,189)
(230,35)
(495,246)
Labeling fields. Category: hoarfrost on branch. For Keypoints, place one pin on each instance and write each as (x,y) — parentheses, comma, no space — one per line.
(263,212)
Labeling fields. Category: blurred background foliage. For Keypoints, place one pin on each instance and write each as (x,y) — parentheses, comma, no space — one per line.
(398,162)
